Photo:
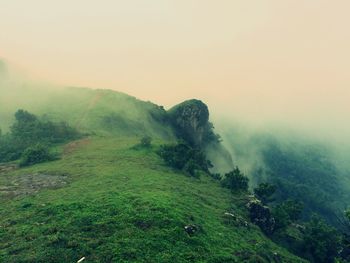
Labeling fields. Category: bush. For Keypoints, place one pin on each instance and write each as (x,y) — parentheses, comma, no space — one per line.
(29,130)
(35,154)
(183,157)
(146,141)
(235,180)
(216,176)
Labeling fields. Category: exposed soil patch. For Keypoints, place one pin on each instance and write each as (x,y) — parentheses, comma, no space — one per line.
(27,184)
(5,168)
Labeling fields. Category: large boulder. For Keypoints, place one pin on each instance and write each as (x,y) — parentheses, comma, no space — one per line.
(190,120)
(261,216)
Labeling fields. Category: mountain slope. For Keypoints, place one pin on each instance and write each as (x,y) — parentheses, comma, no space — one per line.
(121,204)
(108,201)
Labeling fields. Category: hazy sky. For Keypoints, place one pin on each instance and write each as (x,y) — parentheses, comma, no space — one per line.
(260,59)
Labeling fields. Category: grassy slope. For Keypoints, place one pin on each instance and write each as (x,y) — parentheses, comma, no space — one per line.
(120,204)
(125,205)
(98,111)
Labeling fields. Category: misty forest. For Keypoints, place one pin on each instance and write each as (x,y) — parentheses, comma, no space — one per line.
(174,131)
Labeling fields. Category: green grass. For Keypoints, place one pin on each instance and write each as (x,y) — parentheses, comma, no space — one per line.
(125,205)
(89,110)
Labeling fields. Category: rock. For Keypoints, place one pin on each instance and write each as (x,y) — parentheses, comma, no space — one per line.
(277,257)
(190,120)
(236,220)
(191,229)
(230,215)
(261,216)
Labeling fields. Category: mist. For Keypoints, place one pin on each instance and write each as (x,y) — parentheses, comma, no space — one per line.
(271,63)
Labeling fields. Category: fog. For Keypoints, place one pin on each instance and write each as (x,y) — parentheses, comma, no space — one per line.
(259,63)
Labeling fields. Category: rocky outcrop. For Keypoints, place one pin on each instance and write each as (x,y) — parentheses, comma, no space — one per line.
(261,216)
(190,120)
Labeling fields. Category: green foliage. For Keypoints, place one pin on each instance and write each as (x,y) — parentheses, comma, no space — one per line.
(287,212)
(216,176)
(281,216)
(146,141)
(36,154)
(183,157)
(28,130)
(10,148)
(235,180)
(321,241)
(264,192)
(306,173)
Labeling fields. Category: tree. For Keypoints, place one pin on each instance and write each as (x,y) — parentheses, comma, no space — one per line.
(235,180)
(264,192)
(321,241)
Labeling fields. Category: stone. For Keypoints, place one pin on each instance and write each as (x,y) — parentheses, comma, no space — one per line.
(190,120)
(261,216)
(191,229)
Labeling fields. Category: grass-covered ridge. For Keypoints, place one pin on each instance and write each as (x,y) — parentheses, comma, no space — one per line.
(110,198)
(88,110)
(120,204)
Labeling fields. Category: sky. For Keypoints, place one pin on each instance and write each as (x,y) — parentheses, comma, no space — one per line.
(259,60)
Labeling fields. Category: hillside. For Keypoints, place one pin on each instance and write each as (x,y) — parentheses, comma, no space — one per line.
(108,201)
(114,203)
(303,168)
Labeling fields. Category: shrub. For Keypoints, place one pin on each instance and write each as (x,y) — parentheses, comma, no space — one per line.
(146,141)
(35,154)
(183,157)
(235,180)
(216,176)
(28,130)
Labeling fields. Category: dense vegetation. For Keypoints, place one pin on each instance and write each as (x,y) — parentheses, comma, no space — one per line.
(183,157)
(235,181)
(30,137)
(313,240)
(307,173)
(317,241)
(35,154)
